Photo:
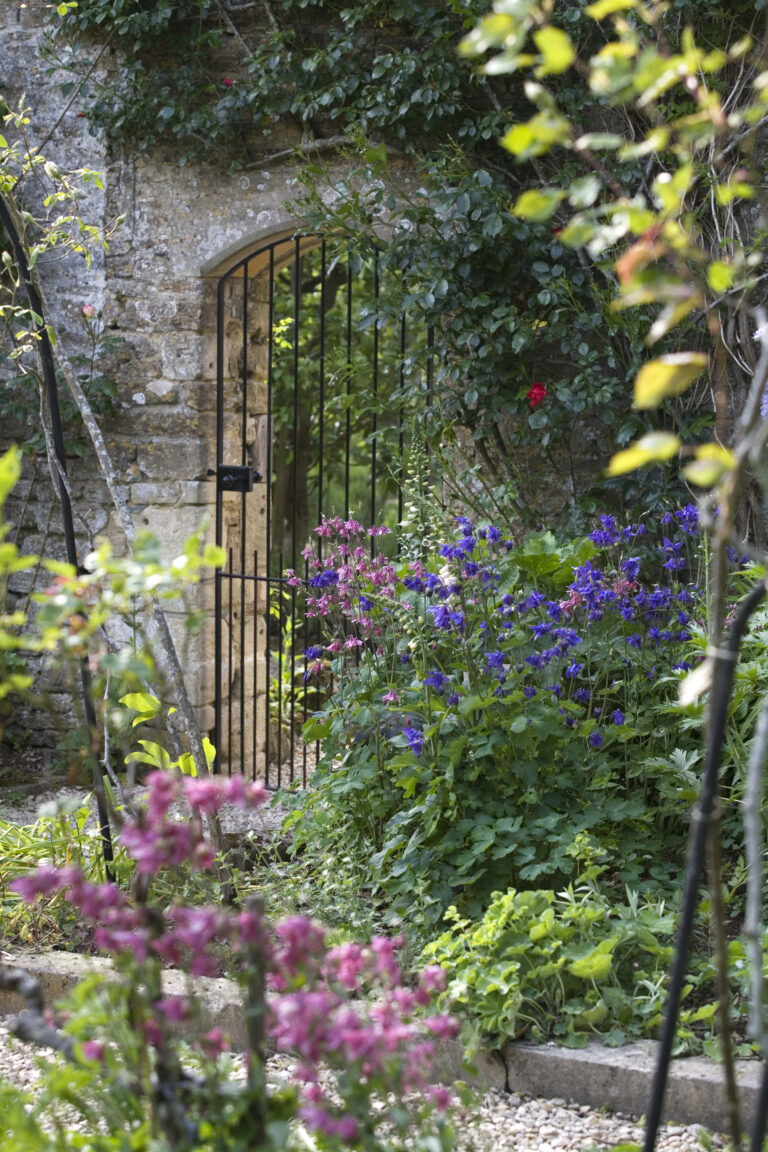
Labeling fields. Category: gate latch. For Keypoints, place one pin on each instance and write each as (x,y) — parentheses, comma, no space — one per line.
(235,477)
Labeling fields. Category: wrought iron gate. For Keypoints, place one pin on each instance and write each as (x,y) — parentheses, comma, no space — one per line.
(314,383)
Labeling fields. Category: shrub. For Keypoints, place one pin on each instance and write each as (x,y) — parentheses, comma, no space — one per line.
(492,702)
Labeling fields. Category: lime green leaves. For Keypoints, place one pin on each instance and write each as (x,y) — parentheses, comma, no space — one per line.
(655,448)
(668,376)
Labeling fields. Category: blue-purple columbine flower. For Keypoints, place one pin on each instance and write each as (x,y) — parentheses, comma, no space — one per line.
(466,525)
(495,661)
(582,696)
(325,579)
(314,653)
(618,717)
(595,740)
(573,669)
(635,640)
(631,567)
(413,583)
(453,699)
(540,629)
(532,601)
(436,680)
(405,658)
(529,692)
(415,739)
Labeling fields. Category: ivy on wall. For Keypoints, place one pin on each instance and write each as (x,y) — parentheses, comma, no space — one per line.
(535,366)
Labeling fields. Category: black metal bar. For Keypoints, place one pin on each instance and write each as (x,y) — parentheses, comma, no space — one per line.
(243,515)
(296,334)
(348,435)
(760,1119)
(321,398)
(722,682)
(280,687)
(255,659)
(48,368)
(218,671)
(400,435)
(231,655)
(375,391)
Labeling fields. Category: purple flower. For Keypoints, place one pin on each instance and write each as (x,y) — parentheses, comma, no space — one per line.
(540,630)
(630,567)
(529,692)
(495,661)
(582,696)
(436,680)
(618,717)
(415,739)
(572,670)
(595,740)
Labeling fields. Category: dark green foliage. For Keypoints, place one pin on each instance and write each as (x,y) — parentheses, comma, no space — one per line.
(509,305)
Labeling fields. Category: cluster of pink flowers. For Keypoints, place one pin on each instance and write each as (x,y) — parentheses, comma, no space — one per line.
(348,1007)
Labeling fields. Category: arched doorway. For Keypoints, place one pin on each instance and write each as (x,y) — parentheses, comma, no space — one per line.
(317,379)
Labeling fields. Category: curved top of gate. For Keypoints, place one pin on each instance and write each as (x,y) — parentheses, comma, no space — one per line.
(278,250)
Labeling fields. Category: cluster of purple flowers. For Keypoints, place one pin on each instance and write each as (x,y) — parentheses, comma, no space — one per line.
(388,1042)
(526,640)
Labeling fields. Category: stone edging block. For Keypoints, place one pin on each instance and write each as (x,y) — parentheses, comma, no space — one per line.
(615,1078)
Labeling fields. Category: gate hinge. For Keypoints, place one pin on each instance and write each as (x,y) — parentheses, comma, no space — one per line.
(235,477)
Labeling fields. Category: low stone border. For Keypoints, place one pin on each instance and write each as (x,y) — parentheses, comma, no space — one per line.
(615,1078)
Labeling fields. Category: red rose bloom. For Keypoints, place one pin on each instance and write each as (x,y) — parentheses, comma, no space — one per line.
(227,82)
(535,394)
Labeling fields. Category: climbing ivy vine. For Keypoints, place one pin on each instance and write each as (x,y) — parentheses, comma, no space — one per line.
(535,366)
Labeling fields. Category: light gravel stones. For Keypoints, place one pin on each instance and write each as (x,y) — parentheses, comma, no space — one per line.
(500,1122)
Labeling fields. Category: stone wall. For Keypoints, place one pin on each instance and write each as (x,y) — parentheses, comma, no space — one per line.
(155,288)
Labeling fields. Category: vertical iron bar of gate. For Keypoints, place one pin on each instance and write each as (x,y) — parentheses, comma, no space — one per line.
(243,515)
(375,390)
(401,437)
(218,575)
(268,498)
(348,434)
(296,339)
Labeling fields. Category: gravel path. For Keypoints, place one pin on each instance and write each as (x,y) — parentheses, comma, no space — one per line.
(501,1122)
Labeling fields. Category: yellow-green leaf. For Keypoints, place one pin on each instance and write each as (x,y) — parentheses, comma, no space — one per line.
(668,376)
(651,449)
(536,136)
(603,8)
(720,276)
(538,203)
(596,965)
(556,49)
(711,463)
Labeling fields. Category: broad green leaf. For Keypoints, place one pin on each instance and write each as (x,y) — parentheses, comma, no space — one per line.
(597,964)
(720,276)
(651,449)
(10,470)
(536,136)
(603,8)
(711,463)
(153,754)
(538,203)
(584,191)
(556,49)
(668,376)
(599,141)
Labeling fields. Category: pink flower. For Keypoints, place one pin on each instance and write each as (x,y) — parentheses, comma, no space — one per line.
(391,697)
(227,82)
(535,394)
(88,311)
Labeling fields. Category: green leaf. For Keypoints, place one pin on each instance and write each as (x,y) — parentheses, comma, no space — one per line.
(603,8)
(538,204)
(711,463)
(651,449)
(668,376)
(556,49)
(720,276)
(597,964)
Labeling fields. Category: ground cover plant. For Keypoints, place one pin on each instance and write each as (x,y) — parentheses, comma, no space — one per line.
(493,701)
